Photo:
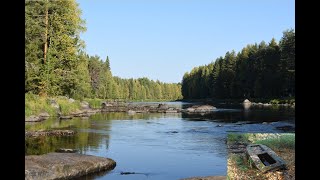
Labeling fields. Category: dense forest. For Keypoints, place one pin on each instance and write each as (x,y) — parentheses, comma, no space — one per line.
(258,71)
(56,63)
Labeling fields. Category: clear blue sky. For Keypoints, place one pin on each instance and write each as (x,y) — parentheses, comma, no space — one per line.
(163,39)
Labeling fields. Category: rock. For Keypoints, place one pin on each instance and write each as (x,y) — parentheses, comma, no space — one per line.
(218,125)
(44,115)
(63,150)
(200,109)
(33,119)
(163,106)
(64,165)
(84,105)
(71,100)
(106,104)
(131,112)
(49,133)
(246,101)
(77,113)
(65,117)
(54,104)
(171,111)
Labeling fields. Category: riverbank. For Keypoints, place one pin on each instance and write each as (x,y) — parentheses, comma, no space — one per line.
(288,101)
(39,108)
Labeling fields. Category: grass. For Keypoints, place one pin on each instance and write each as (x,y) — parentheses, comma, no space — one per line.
(66,106)
(234,137)
(283,141)
(94,103)
(35,104)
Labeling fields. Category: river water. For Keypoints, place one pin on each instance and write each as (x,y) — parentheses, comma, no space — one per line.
(161,146)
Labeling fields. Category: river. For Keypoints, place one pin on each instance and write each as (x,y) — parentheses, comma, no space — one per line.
(161,146)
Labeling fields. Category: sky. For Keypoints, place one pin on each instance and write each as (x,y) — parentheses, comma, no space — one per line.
(163,39)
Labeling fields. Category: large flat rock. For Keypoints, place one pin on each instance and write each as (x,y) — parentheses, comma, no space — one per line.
(64,165)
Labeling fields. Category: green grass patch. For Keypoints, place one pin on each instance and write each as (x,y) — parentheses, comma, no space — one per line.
(94,103)
(35,105)
(234,137)
(283,141)
(67,107)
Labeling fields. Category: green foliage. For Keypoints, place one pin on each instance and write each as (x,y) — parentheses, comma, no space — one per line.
(274,101)
(258,71)
(55,64)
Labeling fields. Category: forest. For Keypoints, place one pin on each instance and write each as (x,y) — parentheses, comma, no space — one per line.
(56,63)
(264,70)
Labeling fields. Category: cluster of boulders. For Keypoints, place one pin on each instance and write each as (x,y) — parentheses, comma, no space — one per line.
(49,133)
(246,103)
(200,109)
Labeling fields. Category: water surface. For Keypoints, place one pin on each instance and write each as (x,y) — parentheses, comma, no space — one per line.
(158,145)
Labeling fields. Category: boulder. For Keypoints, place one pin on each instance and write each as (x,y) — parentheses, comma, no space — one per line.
(246,101)
(66,117)
(163,106)
(106,104)
(33,119)
(71,100)
(131,112)
(54,104)
(84,105)
(64,165)
(44,115)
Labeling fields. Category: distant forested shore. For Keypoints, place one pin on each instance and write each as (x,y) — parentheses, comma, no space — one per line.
(260,71)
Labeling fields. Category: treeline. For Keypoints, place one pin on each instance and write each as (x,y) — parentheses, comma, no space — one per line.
(258,71)
(56,64)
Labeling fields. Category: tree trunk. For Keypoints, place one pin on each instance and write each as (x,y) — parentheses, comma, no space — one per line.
(45,36)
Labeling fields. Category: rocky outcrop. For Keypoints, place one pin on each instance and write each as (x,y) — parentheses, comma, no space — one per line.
(200,109)
(64,165)
(49,133)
